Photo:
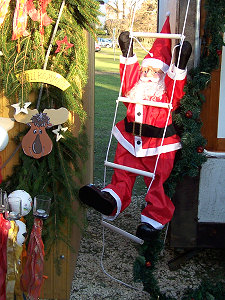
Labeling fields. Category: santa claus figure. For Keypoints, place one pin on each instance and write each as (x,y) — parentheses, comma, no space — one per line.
(140,134)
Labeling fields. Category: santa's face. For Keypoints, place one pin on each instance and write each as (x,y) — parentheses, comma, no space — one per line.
(151,74)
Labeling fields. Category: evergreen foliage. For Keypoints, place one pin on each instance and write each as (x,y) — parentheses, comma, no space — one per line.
(57,174)
(187,119)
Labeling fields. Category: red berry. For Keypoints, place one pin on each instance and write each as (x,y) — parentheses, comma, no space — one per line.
(148,264)
(200,149)
(189,114)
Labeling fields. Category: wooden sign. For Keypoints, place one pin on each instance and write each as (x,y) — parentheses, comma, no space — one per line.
(45,76)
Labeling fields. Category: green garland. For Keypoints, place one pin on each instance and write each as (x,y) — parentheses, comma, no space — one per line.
(190,158)
(58,173)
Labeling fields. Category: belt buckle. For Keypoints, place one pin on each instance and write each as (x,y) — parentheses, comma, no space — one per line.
(134,127)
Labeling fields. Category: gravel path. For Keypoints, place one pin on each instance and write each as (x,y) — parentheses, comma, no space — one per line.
(90,282)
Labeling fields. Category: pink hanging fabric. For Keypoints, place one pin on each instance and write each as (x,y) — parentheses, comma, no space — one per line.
(32,276)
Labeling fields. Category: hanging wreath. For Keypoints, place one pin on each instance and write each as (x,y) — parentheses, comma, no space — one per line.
(41,50)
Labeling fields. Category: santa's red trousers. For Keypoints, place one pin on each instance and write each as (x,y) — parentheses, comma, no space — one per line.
(158,207)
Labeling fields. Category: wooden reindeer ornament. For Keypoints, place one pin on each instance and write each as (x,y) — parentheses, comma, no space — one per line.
(36,143)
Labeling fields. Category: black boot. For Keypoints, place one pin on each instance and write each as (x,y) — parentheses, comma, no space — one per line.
(103,202)
(147,232)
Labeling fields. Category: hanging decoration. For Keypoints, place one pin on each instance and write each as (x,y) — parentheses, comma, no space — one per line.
(3,10)
(4,228)
(26,201)
(36,143)
(32,277)
(21,108)
(39,15)
(63,44)
(45,76)
(58,132)
(20,20)
(11,260)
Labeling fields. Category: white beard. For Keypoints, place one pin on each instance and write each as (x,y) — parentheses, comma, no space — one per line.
(144,90)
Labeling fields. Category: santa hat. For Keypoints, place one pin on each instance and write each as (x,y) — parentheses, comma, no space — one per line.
(160,53)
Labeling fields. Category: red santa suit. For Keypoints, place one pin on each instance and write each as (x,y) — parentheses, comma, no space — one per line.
(139,138)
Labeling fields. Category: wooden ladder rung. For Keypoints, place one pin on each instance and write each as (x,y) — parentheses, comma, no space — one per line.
(145,102)
(129,169)
(123,232)
(176,36)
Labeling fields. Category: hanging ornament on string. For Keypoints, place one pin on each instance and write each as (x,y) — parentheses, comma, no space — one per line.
(36,143)
(21,107)
(63,45)
(25,199)
(59,131)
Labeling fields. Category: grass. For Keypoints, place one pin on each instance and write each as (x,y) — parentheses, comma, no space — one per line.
(107,85)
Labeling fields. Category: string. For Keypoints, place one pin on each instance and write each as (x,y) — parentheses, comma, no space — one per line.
(49,50)
(110,276)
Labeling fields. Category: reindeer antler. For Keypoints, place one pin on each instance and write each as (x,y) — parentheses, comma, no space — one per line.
(57,116)
(6,123)
(26,118)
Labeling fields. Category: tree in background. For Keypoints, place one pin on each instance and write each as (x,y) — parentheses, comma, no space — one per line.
(119,16)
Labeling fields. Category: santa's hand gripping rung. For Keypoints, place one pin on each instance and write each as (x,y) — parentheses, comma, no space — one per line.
(132,170)
(145,102)
(175,36)
(123,232)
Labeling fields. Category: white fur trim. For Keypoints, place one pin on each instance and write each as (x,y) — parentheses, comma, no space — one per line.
(168,14)
(176,73)
(138,151)
(128,60)
(152,222)
(155,63)
(118,204)
(118,135)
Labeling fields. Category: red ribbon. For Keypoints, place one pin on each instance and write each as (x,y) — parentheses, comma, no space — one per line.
(0,170)
(32,276)
(4,228)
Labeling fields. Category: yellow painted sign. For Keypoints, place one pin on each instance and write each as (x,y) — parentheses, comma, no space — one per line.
(45,76)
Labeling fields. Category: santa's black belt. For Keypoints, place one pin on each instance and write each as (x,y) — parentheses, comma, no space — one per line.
(140,129)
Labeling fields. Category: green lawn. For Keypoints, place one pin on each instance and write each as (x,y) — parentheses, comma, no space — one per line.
(107,85)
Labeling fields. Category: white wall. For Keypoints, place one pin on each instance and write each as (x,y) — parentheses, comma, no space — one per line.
(164,7)
(211,206)
(221,117)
